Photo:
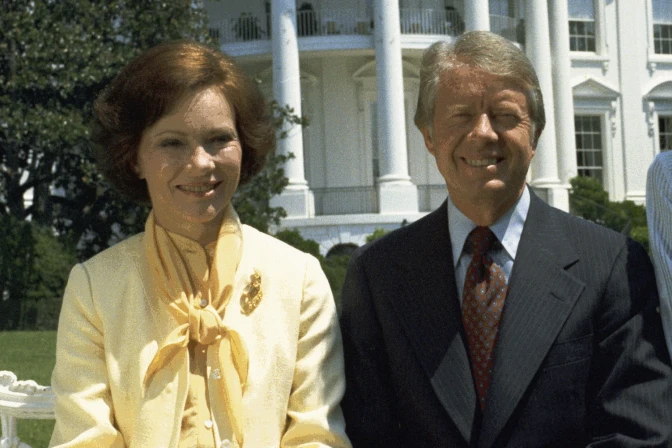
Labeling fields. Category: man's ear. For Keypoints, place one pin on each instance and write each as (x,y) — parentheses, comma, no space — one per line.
(429,141)
(537,134)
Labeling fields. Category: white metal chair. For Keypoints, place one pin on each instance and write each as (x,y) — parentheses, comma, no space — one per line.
(21,400)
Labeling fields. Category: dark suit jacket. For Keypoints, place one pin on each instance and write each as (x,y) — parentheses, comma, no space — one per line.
(580,358)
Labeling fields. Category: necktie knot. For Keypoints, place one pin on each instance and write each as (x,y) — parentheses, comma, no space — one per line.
(205,325)
(482,240)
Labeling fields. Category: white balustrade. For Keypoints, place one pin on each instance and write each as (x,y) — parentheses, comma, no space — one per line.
(430,21)
(346,21)
(21,400)
(507,27)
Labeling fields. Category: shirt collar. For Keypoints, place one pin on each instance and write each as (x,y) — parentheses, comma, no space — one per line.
(508,228)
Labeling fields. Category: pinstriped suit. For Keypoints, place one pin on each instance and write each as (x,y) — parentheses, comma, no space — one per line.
(580,358)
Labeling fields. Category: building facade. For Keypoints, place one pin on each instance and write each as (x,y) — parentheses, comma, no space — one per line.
(351,67)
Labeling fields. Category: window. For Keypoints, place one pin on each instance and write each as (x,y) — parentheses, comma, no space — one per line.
(581,25)
(665,132)
(662,26)
(588,130)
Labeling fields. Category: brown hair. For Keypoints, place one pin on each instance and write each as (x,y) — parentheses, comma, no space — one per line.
(485,51)
(150,85)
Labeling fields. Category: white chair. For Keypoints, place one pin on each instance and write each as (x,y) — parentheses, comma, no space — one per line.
(21,400)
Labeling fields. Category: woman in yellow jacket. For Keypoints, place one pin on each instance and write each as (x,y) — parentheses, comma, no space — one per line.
(199,331)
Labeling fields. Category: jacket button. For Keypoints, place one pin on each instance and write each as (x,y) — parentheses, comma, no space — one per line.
(208,423)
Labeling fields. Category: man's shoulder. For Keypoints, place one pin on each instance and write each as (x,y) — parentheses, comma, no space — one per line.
(582,234)
(117,255)
(408,237)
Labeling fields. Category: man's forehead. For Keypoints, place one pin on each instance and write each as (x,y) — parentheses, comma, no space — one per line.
(467,80)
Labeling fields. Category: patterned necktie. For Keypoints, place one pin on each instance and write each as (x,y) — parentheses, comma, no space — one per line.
(482,302)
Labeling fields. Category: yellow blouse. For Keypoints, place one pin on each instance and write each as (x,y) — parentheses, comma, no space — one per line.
(198,428)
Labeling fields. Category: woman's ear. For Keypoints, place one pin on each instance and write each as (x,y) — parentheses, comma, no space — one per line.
(138,171)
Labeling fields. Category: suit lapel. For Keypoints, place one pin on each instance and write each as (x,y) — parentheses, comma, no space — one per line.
(430,314)
(540,298)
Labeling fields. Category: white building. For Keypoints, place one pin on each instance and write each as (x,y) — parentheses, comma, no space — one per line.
(351,67)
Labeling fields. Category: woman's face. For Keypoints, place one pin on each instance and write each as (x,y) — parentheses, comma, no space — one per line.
(191,160)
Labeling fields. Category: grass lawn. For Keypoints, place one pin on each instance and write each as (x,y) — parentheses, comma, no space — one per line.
(31,355)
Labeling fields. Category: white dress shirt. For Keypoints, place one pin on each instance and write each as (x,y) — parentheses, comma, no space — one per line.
(507,229)
(659,219)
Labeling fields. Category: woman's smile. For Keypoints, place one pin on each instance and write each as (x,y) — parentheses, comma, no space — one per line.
(203,189)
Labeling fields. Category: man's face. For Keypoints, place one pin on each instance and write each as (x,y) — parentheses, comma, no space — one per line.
(481,139)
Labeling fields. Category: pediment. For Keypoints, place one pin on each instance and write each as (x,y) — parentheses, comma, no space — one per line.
(368,71)
(662,91)
(588,87)
(266,77)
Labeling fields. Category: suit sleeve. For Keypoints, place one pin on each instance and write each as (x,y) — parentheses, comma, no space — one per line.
(659,220)
(314,417)
(631,390)
(368,403)
(84,413)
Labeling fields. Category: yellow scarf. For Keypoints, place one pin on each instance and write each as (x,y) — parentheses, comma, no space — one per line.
(172,284)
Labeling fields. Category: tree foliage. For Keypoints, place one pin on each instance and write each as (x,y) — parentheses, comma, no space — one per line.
(589,200)
(55,56)
(34,267)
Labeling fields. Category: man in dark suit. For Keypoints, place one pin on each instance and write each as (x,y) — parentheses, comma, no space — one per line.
(497,320)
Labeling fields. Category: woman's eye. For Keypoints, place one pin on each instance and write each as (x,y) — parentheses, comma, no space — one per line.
(170,143)
(223,138)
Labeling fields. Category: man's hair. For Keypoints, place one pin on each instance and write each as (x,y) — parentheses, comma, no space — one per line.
(485,51)
(151,85)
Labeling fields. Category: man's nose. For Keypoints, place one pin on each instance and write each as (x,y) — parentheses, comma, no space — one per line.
(483,127)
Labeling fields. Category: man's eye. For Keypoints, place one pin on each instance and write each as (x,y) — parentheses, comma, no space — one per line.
(506,116)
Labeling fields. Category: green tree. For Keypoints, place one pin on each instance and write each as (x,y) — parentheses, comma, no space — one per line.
(55,56)
(589,200)
(252,201)
(34,267)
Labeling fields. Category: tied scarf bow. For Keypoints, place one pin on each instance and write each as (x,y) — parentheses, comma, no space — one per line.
(172,282)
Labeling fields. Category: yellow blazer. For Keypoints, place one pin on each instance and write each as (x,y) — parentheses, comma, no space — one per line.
(110,329)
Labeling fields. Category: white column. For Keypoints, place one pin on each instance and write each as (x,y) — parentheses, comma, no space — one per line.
(296,199)
(538,49)
(636,150)
(562,89)
(477,15)
(396,193)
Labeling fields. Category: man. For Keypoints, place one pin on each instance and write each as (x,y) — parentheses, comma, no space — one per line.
(496,320)
(659,219)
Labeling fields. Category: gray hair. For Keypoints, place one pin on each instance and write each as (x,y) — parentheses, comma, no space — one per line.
(485,51)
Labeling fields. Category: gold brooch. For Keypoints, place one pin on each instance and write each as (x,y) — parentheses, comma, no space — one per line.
(252,295)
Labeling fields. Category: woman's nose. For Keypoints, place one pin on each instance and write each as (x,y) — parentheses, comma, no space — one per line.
(201,158)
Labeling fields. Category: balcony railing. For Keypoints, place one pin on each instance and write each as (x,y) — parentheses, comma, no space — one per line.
(327,22)
(431,197)
(345,200)
(246,27)
(430,21)
(508,27)
(330,22)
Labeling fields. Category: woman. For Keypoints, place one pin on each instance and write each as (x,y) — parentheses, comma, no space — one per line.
(199,331)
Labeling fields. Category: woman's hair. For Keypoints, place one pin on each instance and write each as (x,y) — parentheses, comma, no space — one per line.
(151,85)
(485,51)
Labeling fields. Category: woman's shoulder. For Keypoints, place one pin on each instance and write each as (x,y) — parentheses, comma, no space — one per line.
(271,246)
(121,255)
